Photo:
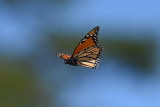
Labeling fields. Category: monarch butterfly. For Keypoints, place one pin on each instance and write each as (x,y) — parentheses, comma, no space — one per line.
(87,52)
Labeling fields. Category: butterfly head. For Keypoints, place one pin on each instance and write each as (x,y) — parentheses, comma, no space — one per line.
(71,61)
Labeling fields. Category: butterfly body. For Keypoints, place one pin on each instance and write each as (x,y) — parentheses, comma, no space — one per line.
(71,61)
(87,52)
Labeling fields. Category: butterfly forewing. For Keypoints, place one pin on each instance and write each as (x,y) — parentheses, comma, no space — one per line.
(63,56)
(90,39)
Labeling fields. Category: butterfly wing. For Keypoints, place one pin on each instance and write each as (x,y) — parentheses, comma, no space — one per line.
(88,51)
(90,39)
(89,57)
(63,56)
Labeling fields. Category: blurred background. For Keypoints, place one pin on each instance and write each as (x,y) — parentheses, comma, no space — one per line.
(32,32)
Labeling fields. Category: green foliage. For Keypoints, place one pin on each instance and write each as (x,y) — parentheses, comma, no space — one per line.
(17,85)
(136,53)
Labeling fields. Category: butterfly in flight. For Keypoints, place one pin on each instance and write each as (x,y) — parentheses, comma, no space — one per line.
(87,52)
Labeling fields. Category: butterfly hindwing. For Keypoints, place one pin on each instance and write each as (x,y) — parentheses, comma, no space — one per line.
(90,56)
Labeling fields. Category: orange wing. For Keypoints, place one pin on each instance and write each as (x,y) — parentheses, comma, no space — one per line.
(90,39)
(63,56)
